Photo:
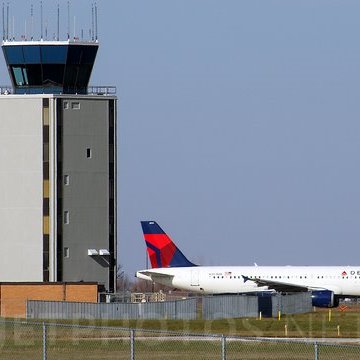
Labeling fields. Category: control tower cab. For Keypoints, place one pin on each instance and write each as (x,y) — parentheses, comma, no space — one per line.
(50,67)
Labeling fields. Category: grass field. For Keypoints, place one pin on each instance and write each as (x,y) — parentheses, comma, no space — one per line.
(25,340)
(81,345)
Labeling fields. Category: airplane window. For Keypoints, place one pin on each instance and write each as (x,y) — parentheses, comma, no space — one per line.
(300,277)
(279,277)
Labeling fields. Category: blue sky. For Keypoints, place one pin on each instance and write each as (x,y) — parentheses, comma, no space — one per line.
(239,125)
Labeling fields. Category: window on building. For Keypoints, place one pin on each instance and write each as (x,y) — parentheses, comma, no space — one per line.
(66,252)
(66,180)
(75,105)
(88,153)
(66,217)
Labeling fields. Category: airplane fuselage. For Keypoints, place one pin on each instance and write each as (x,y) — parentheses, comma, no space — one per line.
(342,281)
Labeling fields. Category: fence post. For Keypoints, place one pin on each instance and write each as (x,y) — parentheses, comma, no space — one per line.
(316,349)
(223,347)
(44,341)
(132,344)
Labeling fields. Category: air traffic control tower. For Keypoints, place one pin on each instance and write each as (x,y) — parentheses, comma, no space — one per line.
(57,166)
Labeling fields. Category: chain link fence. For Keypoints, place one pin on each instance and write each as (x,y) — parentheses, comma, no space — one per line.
(26,340)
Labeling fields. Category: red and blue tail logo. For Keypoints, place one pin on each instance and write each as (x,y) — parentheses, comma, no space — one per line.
(162,251)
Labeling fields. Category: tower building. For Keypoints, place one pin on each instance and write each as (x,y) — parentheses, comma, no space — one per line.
(57,166)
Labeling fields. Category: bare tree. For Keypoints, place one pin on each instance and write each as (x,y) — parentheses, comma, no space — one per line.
(123,283)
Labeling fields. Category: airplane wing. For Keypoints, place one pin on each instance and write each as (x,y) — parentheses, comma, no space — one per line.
(279,286)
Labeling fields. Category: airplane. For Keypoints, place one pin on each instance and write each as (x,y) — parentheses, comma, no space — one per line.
(170,267)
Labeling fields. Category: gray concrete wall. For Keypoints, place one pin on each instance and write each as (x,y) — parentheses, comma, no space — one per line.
(86,197)
(20,188)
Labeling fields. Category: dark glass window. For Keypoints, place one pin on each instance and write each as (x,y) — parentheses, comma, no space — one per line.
(74,54)
(46,206)
(46,133)
(20,76)
(89,54)
(34,74)
(83,76)
(53,74)
(31,54)
(53,54)
(45,170)
(46,152)
(70,75)
(14,54)
(45,243)
(45,260)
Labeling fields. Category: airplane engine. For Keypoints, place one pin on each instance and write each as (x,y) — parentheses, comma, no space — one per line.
(324,298)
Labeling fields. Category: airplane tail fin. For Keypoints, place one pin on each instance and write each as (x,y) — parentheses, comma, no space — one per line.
(161,249)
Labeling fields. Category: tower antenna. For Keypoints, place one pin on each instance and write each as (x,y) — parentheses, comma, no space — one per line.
(58,22)
(41,20)
(92,21)
(3,20)
(7,21)
(68,29)
(96,23)
(32,22)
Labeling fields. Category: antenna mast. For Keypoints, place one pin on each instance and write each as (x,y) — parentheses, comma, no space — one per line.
(92,21)
(32,22)
(41,20)
(3,20)
(58,22)
(7,21)
(68,29)
(96,23)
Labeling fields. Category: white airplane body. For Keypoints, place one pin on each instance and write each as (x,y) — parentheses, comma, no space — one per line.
(327,283)
(230,279)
